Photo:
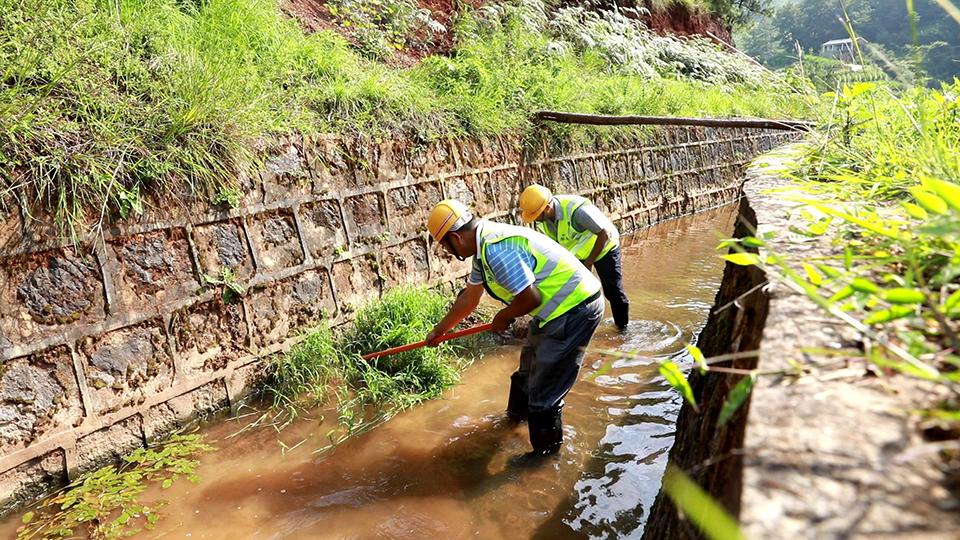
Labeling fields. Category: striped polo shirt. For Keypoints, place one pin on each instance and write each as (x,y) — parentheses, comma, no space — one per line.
(510,261)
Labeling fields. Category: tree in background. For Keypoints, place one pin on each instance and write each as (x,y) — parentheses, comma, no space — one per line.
(740,13)
(884,23)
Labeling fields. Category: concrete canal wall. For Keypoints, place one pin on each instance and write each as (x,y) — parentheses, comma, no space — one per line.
(114,342)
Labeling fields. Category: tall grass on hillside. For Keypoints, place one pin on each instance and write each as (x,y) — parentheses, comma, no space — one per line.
(107,106)
(104,101)
(514,58)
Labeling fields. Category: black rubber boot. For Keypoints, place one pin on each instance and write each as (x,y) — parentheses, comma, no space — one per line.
(546,429)
(518,403)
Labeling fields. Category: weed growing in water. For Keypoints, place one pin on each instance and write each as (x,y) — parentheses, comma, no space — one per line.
(368,392)
(105,504)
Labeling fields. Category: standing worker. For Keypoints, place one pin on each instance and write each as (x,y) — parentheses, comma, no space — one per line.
(533,275)
(576,224)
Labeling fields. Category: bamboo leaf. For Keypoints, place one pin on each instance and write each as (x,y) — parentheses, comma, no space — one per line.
(697,355)
(743,259)
(847,258)
(601,370)
(671,372)
(27,518)
(947,191)
(699,507)
(929,201)
(843,293)
(864,285)
(812,274)
(902,295)
(830,271)
(915,211)
(952,301)
(887,315)
(752,242)
(736,397)
(873,227)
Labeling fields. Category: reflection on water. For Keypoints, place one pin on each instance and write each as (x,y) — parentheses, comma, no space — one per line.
(454,468)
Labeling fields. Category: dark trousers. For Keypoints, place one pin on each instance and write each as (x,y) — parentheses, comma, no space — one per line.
(549,363)
(611,278)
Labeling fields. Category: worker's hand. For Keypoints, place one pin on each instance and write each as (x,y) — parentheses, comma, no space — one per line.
(501,322)
(433,336)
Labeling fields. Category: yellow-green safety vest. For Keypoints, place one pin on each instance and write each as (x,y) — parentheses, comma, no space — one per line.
(579,243)
(562,281)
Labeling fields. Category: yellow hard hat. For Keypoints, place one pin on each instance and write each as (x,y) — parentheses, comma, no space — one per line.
(533,201)
(443,216)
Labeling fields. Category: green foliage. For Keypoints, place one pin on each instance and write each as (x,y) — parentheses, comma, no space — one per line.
(103,101)
(105,504)
(737,397)
(827,74)
(389,384)
(381,26)
(885,25)
(121,105)
(892,167)
(699,507)
(404,315)
(675,378)
(628,46)
(228,280)
(740,13)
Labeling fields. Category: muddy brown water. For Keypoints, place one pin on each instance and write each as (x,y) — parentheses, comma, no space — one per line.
(454,468)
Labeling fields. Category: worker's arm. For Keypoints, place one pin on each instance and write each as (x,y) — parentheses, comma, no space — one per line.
(602,238)
(523,303)
(464,305)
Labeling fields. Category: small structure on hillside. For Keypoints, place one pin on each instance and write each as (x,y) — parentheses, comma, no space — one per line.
(841,49)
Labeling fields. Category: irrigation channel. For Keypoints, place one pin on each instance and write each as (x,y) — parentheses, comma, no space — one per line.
(450,468)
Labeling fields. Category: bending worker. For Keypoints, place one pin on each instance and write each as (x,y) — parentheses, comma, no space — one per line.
(533,275)
(581,227)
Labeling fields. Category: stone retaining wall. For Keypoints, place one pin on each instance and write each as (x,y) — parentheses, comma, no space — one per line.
(111,343)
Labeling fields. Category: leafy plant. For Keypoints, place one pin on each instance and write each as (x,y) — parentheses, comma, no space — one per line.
(382,26)
(228,196)
(105,504)
(228,279)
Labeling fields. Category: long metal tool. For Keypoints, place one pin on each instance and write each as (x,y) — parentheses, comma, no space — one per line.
(417,345)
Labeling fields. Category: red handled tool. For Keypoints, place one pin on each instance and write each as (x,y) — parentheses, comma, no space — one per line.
(417,345)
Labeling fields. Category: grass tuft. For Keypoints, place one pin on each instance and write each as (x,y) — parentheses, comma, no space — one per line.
(404,315)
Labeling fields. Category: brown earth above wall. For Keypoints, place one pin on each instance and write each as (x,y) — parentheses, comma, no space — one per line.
(676,20)
(112,343)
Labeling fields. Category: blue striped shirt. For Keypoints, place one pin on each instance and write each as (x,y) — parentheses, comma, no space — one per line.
(510,261)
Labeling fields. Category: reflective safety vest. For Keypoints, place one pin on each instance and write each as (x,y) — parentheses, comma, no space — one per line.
(577,242)
(562,281)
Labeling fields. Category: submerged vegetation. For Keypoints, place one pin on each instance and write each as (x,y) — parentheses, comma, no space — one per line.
(105,504)
(107,106)
(328,364)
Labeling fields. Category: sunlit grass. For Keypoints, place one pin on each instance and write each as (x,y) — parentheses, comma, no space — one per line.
(107,106)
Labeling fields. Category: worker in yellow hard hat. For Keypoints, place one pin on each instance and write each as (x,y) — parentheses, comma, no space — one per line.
(532,275)
(582,228)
